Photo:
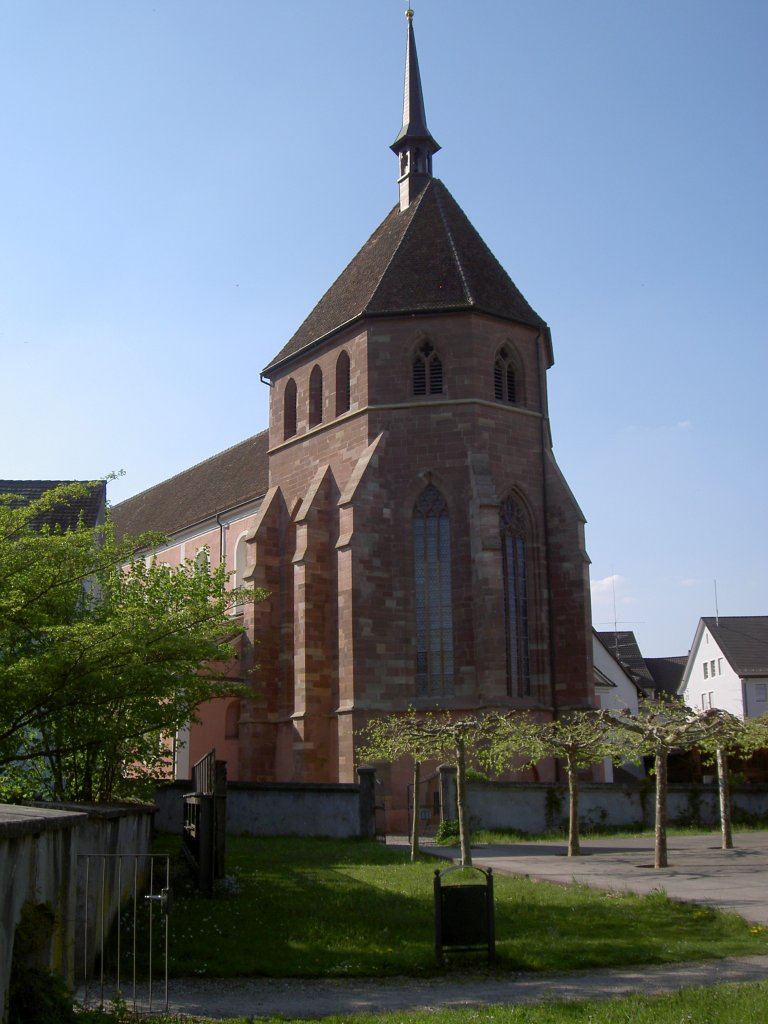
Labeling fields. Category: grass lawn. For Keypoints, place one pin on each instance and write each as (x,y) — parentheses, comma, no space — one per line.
(725,1004)
(324,908)
(486,836)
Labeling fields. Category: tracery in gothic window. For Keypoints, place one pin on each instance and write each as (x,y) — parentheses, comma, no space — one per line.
(504,380)
(427,371)
(513,543)
(434,607)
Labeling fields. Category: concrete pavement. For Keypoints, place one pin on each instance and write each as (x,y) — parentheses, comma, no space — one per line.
(699,870)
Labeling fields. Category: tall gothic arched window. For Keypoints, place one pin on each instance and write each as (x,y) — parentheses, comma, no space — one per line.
(434,606)
(427,371)
(315,396)
(504,383)
(289,409)
(513,544)
(343,388)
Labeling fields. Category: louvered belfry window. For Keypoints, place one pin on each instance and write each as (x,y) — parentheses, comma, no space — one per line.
(513,543)
(427,371)
(504,384)
(434,609)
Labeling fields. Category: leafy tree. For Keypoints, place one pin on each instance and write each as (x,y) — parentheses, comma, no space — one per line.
(431,737)
(661,727)
(580,739)
(104,654)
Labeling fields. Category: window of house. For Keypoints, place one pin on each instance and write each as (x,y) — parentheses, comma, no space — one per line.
(761,692)
(719,666)
(427,371)
(289,409)
(434,606)
(504,381)
(706,670)
(315,397)
(343,384)
(513,541)
(712,668)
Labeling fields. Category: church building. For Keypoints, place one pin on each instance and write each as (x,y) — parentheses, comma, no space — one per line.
(404,510)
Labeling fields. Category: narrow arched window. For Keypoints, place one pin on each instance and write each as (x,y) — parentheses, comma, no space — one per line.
(427,371)
(434,606)
(232,721)
(343,387)
(504,382)
(241,565)
(513,545)
(315,397)
(289,409)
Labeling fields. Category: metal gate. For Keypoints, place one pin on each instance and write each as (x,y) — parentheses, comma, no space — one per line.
(123,931)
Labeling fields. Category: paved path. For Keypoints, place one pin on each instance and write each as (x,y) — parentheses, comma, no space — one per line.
(699,872)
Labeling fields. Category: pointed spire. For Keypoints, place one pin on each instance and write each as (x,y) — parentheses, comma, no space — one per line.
(414,144)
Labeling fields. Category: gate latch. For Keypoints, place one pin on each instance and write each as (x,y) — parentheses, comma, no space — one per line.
(164,898)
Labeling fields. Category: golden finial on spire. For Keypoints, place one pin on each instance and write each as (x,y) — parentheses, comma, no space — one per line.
(409,14)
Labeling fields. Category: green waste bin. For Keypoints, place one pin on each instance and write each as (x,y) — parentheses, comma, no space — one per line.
(464,917)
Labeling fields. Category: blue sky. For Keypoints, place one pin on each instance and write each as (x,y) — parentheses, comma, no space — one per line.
(182,180)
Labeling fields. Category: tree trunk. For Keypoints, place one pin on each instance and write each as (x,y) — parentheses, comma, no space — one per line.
(415,819)
(661,808)
(574,850)
(461,800)
(724,788)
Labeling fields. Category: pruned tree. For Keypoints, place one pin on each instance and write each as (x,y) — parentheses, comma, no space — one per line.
(728,737)
(661,727)
(580,738)
(453,739)
(104,652)
(389,739)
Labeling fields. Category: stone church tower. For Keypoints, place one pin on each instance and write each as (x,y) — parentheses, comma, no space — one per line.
(418,541)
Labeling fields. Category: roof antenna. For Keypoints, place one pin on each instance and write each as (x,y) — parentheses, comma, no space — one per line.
(717,613)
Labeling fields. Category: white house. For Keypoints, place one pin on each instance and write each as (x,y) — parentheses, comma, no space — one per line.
(728,665)
(615,688)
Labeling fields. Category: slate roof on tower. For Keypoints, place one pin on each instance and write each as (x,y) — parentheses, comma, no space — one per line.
(426,259)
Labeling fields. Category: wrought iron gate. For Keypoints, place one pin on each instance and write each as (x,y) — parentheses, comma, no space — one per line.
(123,931)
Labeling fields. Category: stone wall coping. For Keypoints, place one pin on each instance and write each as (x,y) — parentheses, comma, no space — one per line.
(103,811)
(269,787)
(17,820)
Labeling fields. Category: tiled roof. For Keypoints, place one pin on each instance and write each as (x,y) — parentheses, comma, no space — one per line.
(425,259)
(91,507)
(667,672)
(743,639)
(231,478)
(623,646)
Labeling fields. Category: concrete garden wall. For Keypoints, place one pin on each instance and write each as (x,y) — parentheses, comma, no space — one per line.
(39,847)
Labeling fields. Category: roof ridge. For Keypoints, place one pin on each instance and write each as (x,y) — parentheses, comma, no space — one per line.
(189,469)
(454,249)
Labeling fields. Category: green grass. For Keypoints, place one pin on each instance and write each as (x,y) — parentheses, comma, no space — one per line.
(724,1004)
(325,908)
(507,836)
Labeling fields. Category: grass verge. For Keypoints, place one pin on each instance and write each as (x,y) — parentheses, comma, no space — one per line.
(324,908)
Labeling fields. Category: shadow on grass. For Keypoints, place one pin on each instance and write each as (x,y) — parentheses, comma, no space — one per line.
(323,908)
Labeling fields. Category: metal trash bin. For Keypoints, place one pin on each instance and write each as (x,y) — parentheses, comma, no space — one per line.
(464,915)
